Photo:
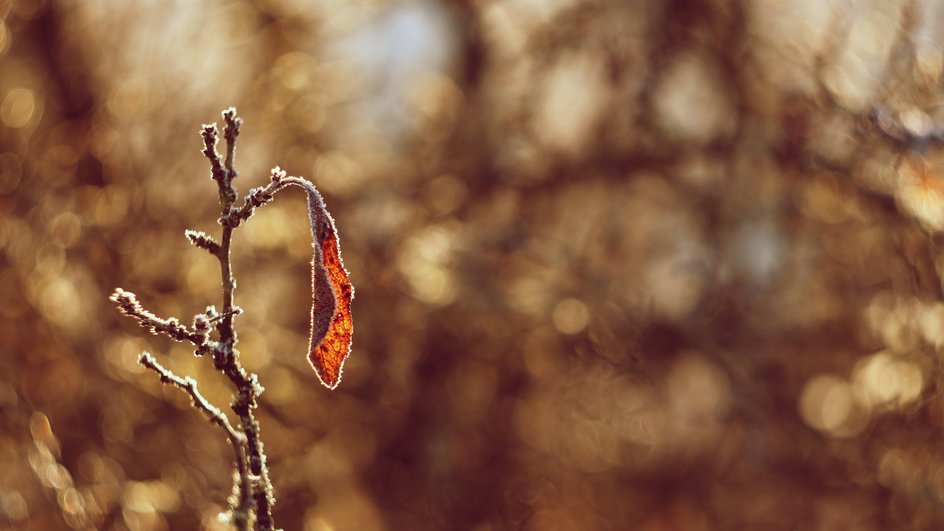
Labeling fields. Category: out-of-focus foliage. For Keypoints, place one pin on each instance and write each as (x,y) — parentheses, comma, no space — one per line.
(620,264)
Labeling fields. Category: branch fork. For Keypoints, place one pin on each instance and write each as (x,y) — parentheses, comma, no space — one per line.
(252,500)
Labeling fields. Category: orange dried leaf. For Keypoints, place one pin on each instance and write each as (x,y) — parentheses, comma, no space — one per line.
(332,325)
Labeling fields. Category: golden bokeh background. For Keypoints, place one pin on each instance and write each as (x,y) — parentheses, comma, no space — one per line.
(620,264)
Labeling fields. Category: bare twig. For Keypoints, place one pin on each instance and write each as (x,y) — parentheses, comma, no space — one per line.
(236,310)
(237,439)
(203,240)
(189,385)
(129,305)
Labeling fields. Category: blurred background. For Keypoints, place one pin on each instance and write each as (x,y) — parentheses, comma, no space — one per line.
(620,264)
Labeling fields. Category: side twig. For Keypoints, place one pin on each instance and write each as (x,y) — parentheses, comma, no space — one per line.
(199,335)
(236,438)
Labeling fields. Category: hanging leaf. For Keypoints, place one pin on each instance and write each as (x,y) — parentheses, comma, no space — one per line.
(332,325)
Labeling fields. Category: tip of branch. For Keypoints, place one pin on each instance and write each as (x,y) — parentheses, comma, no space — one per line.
(232,124)
(278,174)
(127,301)
(209,131)
(202,240)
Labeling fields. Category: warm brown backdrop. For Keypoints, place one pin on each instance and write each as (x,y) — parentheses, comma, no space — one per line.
(655,265)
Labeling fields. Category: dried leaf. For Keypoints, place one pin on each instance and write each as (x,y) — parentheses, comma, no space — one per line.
(332,325)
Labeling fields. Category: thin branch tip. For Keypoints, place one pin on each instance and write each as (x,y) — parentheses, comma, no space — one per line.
(203,240)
